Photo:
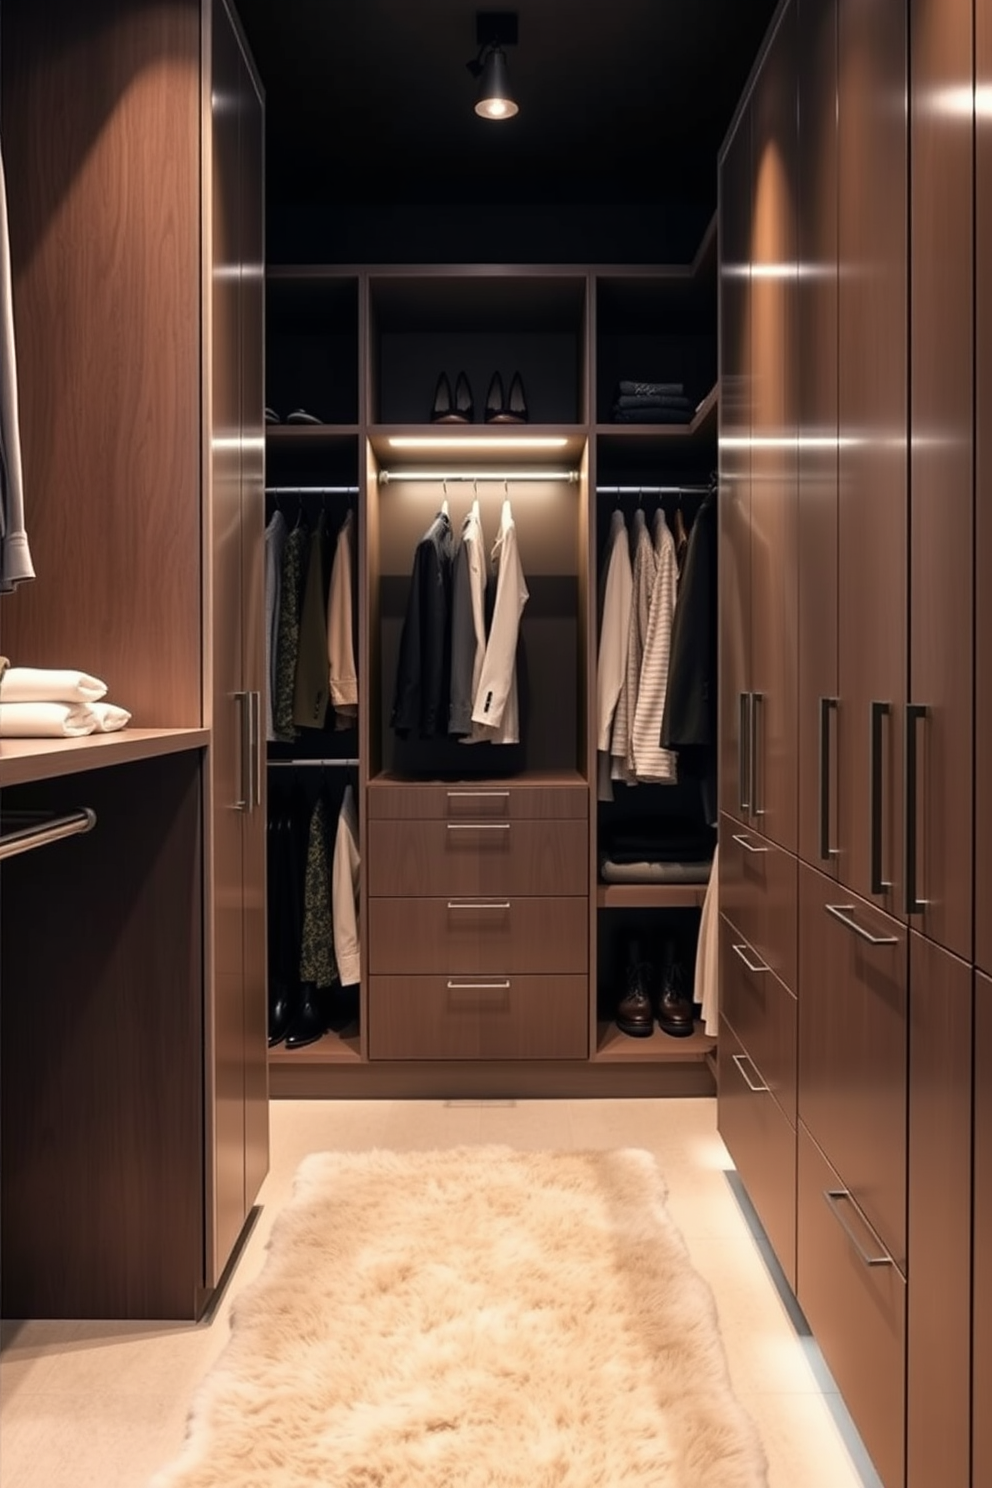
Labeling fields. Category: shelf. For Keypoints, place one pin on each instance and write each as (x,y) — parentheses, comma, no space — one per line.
(614,1047)
(26,760)
(291,436)
(478,446)
(702,426)
(556,778)
(333,1048)
(650,896)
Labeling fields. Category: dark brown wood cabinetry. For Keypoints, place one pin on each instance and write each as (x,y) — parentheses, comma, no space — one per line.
(981,1305)
(983,492)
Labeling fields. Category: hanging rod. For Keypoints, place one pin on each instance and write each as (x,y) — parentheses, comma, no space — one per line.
(339,764)
(50,829)
(311,490)
(385,476)
(652,490)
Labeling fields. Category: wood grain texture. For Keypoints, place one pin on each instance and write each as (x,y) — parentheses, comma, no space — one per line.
(853,1031)
(409,858)
(763,1015)
(101,150)
(981,1307)
(983,525)
(423,1017)
(483,1079)
(762,1144)
(102,1086)
(857,1313)
(942,320)
(548,935)
(478,800)
(25,760)
(938,1413)
(758,894)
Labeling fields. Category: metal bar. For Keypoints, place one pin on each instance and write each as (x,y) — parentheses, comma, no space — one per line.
(743,751)
(504,476)
(255,706)
(26,839)
(298,763)
(875,762)
(478,826)
(739,1061)
(478,904)
(244,759)
(833,1197)
(843,913)
(475,794)
(653,490)
(827,705)
(756,698)
(739,951)
(745,842)
(311,490)
(913,903)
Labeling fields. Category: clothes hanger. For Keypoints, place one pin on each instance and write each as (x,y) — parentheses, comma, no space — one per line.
(444,503)
(475,501)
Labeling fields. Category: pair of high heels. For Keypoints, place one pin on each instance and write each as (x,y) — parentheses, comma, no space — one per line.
(460,409)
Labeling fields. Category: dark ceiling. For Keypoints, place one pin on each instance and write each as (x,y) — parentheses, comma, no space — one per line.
(621,101)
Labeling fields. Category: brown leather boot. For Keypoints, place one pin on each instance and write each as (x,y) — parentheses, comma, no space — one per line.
(635,1010)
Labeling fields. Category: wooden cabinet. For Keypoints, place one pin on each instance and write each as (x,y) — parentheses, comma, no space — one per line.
(758,895)
(981,1304)
(983,491)
(478,1015)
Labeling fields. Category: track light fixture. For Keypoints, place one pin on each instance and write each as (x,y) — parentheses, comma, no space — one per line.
(494,30)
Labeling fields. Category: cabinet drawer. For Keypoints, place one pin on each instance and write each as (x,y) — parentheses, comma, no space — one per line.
(762,1013)
(762,1143)
(758,894)
(480,1017)
(476,801)
(534,935)
(478,857)
(857,1311)
(853,1047)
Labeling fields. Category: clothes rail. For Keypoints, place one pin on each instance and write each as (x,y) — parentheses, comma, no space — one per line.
(506,476)
(49,829)
(653,490)
(339,764)
(311,490)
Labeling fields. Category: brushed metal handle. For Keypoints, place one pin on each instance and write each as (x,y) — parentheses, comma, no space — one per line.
(915,712)
(747,844)
(739,1061)
(756,698)
(485,795)
(843,912)
(834,1196)
(255,733)
(478,826)
(879,711)
(501,986)
(478,904)
(743,751)
(827,706)
(244,752)
(740,950)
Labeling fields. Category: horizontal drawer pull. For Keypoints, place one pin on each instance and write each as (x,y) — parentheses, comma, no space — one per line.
(500,986)
(739,1061)
(478,826)
(478,903)
(843,913)
(739,950)
(833,1197)
(485,795)
(747,844)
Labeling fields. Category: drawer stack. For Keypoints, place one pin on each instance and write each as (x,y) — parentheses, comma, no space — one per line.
(478,921)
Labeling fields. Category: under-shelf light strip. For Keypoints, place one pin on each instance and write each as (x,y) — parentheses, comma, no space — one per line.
(311,490)
(334,764)
(385,476)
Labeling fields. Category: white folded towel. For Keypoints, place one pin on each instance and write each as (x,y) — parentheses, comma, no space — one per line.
(47,685)
(46,720)
(109,717)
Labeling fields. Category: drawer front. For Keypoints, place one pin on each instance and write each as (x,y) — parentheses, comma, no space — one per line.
(480,1017)
(469,858)
(762,1013)
(762,1144)
(477,801)
(522,935)
(857,1311)
(853,1043)
(758,892)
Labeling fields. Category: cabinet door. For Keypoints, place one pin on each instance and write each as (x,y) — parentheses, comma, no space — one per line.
(774,475)
(873,458)
(735,467)
(939,801)
(939,1320)
(816,311)
(981,1310)
(983,543)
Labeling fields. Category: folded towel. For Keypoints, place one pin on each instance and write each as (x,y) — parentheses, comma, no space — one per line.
(109,717)
(633,388)
(46,720)
(43,685)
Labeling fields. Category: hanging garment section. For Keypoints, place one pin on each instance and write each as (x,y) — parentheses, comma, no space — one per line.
(313,905)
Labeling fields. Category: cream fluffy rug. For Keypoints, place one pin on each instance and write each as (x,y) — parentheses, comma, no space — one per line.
(476,1318)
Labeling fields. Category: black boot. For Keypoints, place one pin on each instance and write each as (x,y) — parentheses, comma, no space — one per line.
(675,1010)
(635,1011)
(310,1022)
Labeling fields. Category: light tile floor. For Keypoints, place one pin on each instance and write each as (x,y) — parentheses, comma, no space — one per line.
(102,1405)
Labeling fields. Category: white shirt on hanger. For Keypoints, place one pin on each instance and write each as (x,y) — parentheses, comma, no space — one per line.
(496,706)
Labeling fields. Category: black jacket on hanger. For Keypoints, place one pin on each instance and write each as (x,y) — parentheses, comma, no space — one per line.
(689,720)
(421,694)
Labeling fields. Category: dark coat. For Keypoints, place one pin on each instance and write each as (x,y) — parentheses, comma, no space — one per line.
(421,694)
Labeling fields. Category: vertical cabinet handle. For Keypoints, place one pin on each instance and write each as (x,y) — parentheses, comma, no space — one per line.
(879,711)
(744,752)
(835,1197)
(827,706)
(244,751)
(256,734)
(915,712)
(756,698)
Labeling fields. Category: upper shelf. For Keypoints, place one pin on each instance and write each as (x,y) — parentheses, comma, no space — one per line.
(26,760)
(449,446)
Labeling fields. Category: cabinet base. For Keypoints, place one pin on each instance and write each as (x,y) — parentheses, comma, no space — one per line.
(485,1080)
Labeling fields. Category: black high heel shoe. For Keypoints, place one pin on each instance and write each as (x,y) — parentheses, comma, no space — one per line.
(457,410)
(494,400)
(512,410)
(516,408)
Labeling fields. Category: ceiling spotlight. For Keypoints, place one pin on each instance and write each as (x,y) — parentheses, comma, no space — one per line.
(494,30)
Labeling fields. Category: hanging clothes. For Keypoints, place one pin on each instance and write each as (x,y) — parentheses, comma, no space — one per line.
(706,979)
(15,554)
(290,599)
(345,875)
(275,541)
(317,961)
(611,663)
(285,870)
(341,669)
(689,721)
(644,570)
(649,761)
(312,688)
(468,626)
(496,702)
(422,689)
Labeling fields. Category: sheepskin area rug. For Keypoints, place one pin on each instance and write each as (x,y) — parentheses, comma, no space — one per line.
(475,1318)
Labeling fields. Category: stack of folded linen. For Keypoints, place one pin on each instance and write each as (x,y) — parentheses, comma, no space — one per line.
(40,703)
(651,403)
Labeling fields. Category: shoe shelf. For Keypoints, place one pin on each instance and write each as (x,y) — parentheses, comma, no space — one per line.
(330,1048)
(318,436)
(615,1047)
(650,896)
